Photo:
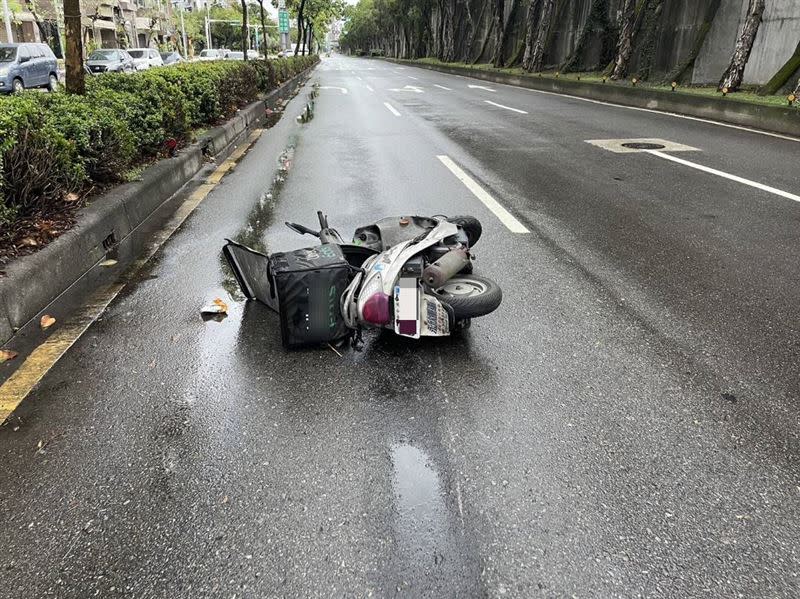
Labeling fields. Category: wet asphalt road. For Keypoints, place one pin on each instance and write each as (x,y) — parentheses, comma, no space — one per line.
(625,425)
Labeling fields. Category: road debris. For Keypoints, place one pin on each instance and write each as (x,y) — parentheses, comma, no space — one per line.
(7,354)
(216,310)
(47,321)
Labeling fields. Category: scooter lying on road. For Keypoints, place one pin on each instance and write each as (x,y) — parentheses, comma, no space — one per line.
(412,275)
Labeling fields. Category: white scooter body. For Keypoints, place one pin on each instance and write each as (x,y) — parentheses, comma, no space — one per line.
(412,312)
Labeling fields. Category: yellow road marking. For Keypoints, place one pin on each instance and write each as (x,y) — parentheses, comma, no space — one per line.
(44,357)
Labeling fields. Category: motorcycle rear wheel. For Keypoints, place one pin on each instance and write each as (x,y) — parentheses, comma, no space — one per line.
(470,296)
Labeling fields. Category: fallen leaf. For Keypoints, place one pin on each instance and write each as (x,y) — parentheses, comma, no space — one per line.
(153,364)
(29,241)
(7,354)
(47,321)
(225,500)
(72,197)
(109,262)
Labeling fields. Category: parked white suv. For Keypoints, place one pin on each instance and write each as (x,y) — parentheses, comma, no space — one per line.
(144,58)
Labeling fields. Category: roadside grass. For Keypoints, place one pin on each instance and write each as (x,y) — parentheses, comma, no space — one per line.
(747,95)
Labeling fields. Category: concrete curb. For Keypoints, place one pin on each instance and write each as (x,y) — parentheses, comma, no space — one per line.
(32,282)
(774,119)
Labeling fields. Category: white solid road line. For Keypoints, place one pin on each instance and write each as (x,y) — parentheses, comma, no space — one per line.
(713,171)
(511,223)
(370,89)
(442,87)
(506,107)
(391,108)
(410,77)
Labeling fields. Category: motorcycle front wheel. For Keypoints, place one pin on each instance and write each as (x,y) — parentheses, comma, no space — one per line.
(470,296)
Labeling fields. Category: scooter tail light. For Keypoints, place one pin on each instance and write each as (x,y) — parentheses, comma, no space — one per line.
(376,310)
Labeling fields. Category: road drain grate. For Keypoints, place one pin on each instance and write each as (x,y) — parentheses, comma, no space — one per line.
(638,145)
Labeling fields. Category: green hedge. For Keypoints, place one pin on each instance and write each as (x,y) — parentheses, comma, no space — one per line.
(54,144)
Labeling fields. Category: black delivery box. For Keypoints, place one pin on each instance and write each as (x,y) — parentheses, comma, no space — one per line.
(303,286)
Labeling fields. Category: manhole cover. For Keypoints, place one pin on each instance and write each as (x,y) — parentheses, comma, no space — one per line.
(638,145)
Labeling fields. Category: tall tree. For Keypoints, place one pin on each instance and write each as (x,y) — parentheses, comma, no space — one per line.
(499,32)
(734,74)
(264,35)
(536,57)
(75,76)
(245,29)
(596,23)
(531,24)
(300,21)
(625,43)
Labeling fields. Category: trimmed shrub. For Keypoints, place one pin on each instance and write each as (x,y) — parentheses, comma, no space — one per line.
(101,138)
(53,144)
(39,166)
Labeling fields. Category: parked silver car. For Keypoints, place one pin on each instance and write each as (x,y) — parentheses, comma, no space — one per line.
(145,58)
(26,65)
(110,61)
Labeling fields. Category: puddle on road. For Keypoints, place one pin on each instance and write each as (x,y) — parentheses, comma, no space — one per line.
(261,217)
(422,529)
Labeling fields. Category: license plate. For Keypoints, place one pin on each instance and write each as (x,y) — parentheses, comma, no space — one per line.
(406,307)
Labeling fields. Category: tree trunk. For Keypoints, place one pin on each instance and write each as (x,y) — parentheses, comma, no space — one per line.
(545,20)
(76,83)
(448,32)
(732,78)
(597,19)
(485,42)
(647,49)
(499,32)
(783,75)
(625,45)
(245,29)
(299,26)
(531,22)
(469,35)
(682,67)
(265,43)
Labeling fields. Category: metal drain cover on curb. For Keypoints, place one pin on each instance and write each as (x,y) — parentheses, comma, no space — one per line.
(628,146)
(638,145)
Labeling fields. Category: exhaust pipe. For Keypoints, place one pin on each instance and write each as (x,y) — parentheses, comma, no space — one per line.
(445,268)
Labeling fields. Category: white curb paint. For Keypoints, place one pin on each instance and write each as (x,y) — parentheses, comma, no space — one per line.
(391,108)
(506,107)
(511,223)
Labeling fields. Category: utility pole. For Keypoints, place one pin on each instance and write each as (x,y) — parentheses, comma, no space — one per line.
(7,18)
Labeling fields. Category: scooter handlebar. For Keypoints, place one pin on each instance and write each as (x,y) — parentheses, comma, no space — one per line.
(301,229)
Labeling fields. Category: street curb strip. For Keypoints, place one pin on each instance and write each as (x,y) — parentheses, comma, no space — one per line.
(776,119)
(33,281)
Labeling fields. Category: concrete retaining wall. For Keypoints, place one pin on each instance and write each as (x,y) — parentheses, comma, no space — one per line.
(678,27)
